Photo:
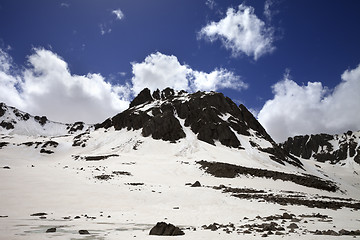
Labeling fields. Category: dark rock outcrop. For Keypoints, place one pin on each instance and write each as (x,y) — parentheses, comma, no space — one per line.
(42,120)
(7,125)
(3,109)
(210,115)
(226,170)
(165,229)
(143,97)
(325,147)
(51,230)
(84,232)
(77,126)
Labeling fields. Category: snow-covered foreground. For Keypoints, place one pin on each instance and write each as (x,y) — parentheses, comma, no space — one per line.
(141,181)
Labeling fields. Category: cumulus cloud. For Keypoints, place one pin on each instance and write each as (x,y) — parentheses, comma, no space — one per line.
(312,108)
(159,71)
(46,87)
(242,32)
(119,14)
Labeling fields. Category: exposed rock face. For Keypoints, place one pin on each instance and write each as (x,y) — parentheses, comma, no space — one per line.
(210,115)
(143,97)
(325,147)
(164,229)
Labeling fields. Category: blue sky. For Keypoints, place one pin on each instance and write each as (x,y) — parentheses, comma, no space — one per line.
(289,61)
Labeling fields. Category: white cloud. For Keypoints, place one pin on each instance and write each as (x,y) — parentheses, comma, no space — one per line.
(312,108)
(242,32)
(64,5)
(159,71)
(267,11)
(104,28)
(46,87)
(210,3)
(119,14)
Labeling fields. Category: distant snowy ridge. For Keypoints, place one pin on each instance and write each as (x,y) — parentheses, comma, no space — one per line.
(335,149)
(14,121)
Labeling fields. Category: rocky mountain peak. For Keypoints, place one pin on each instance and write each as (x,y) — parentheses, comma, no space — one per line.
(212,117)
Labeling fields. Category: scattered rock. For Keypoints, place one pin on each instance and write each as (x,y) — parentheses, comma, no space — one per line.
(46,151)
(51,230)
(84,232)
(135,184)
(38,214)
(98,158)
(3,144)
(287,216)
(165,229)
(103,177)
(196,184)
(293,226)
(122,173)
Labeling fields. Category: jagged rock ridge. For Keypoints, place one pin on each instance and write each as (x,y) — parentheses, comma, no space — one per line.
(210,115)
(325,147)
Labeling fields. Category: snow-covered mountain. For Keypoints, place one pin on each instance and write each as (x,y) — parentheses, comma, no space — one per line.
(14,121)
(195,160)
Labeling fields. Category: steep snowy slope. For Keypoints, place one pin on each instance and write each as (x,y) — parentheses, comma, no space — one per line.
(14,121)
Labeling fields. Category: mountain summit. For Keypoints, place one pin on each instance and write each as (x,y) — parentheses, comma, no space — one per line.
(214,118)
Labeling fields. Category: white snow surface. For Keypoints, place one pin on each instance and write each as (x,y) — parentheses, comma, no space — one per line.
(63,185)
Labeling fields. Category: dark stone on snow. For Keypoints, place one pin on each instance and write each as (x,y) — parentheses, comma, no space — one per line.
(50,143)
(293,226)
(226,170)
(164,229)
(84,232)
(3,109)
(51,230)
(38,214)
(98,158)
(46,151)
(196,184)
(7,125)
(42,120)
(3,144)
(77,126)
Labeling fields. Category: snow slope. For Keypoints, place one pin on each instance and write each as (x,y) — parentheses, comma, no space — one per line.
(117,184)
(64,185)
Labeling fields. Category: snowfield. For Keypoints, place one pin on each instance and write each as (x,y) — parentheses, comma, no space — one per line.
(120,184)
